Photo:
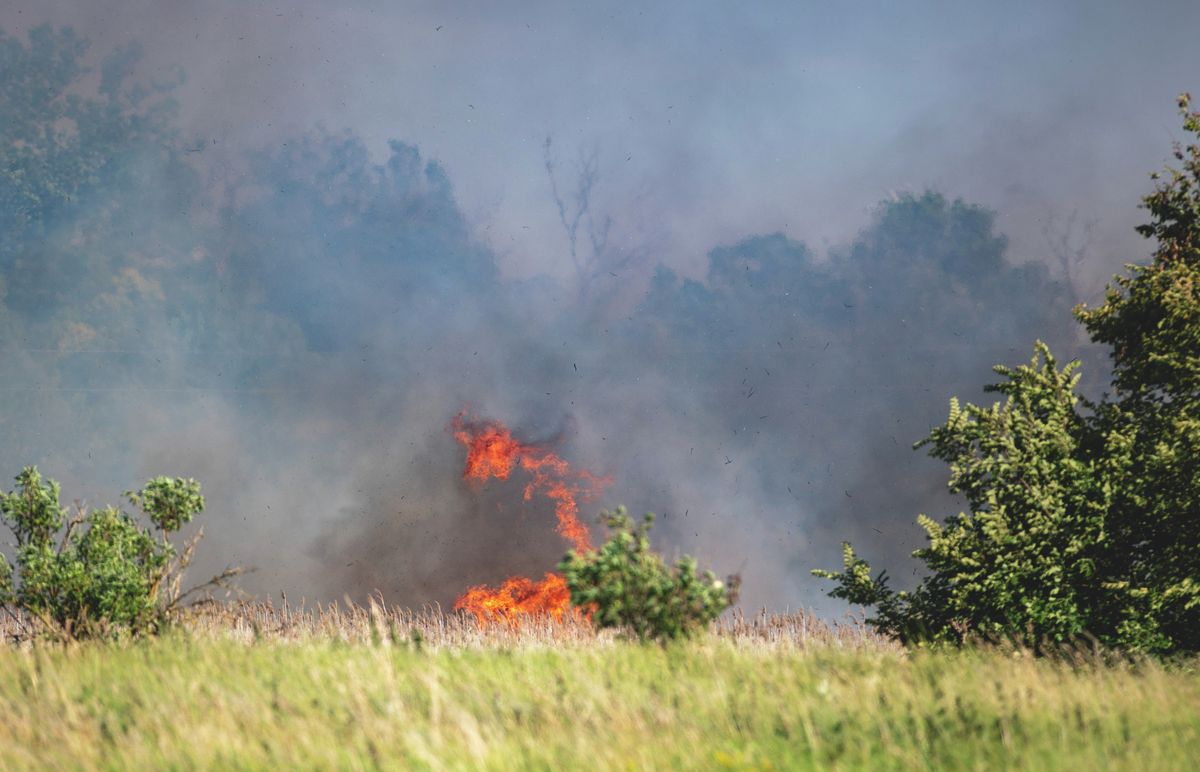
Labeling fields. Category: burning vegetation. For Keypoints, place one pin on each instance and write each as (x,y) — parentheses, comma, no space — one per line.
(493,453)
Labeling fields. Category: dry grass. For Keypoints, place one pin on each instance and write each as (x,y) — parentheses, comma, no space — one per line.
(348,622)
(353,623)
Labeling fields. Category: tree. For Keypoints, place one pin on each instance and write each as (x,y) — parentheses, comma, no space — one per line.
(1080,521)
(1022,561)
(1150,320)
(99,158)
(324,237)
(104,282)
(597,258)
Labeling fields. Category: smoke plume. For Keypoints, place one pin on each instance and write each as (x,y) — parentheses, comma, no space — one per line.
(291,302)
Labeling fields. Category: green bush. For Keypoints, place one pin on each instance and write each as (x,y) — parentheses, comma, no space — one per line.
(1081,523)
(626,585)
(98,571)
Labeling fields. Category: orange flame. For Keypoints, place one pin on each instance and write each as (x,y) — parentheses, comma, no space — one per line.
(492,452)
(518,597)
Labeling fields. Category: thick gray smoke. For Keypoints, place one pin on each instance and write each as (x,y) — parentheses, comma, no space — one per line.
(294,318)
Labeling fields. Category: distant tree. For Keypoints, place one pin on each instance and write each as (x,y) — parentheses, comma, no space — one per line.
(1069,241)
(1080,522)
(104,283)
(63,143)
(321,234)
(592,256)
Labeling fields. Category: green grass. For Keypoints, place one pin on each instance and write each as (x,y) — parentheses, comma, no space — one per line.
(203,701)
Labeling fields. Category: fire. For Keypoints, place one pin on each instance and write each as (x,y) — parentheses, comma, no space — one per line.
(492,452)
(518,597)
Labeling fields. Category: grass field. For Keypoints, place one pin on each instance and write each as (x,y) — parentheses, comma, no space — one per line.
(348,689)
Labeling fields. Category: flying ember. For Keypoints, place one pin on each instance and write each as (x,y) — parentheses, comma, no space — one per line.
(492,452)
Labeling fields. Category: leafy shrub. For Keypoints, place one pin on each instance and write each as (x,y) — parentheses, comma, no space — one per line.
(100,570)
(626,585)
(1081,523)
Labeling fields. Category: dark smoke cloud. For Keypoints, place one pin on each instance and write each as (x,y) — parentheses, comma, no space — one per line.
(195,284)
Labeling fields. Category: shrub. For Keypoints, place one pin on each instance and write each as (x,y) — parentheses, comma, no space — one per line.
(626,585)
(99,571)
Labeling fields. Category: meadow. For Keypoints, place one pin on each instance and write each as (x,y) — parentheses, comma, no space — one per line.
(258,686)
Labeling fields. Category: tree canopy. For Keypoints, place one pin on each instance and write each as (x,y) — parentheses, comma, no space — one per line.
(1084,517)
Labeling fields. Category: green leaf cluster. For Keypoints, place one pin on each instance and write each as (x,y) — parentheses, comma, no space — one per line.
(626,585)
(100,570)
(1084,518)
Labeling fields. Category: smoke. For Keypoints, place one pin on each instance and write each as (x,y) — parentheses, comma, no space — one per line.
(194,284)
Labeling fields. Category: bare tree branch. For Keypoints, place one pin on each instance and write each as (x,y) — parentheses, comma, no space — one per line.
(1070,241)
(578,211)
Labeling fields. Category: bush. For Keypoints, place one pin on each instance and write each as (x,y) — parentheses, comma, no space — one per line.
(1081,523)
(99,571)
(625,585)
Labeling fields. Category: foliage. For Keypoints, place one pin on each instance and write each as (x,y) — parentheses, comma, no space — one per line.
(1080,523)
(170,503)
(835,356)
(1151,321)
(74,154)
(626,585)
(101,282)
(1022,562)
(206,701)
(358,234)
(99,570)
